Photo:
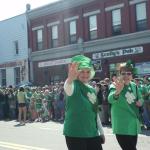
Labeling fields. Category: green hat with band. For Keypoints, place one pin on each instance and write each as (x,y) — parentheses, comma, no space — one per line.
(84,63)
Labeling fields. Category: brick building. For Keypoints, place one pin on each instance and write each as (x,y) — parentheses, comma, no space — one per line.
(108,31)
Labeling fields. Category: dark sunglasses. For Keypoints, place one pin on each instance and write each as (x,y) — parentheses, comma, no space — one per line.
(126,73)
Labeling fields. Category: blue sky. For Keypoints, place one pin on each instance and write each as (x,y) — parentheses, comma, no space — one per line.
(11,8)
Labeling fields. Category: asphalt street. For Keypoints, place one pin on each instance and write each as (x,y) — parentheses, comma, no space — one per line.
(48,136)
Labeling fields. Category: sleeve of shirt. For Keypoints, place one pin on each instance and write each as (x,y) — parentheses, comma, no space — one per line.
(99,125)
(111,98)
(68,88)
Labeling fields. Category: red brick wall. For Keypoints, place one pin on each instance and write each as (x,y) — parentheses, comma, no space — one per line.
(125,18)
(148,13)
(132,18)
(104,21)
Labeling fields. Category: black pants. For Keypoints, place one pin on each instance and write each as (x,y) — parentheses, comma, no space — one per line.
(127,142)
(83,143)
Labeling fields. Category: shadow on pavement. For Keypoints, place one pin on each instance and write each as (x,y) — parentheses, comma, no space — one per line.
(19,125)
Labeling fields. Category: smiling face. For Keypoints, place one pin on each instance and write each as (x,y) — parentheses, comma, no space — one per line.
(84,75)
(126,74)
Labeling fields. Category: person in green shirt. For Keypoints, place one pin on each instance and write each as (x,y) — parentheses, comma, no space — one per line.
(82,126)
(125,99)
(48,98)
(38,104)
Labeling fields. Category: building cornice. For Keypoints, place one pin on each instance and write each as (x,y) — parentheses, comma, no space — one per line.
(55,7)
(125,40)
(121,41)
(54,53)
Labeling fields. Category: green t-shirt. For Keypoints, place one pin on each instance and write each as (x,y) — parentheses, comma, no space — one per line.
(80,115)
(124,112)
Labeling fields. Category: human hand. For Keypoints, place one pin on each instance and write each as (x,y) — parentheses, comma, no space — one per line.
(73,71)
(119,85)
(138,104)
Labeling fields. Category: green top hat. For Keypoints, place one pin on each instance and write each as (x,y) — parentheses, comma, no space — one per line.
(84,63)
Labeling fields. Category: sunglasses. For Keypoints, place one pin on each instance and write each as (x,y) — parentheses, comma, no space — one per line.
(126,73)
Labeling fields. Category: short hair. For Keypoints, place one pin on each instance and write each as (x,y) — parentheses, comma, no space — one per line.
(113,75)
(21,89)
(126,68)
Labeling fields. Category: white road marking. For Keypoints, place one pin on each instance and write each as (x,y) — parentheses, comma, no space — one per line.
(19,146)
(10,147)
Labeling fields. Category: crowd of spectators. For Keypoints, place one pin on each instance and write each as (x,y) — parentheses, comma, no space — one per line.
(48,102)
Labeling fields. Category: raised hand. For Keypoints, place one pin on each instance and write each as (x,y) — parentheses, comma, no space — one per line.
(119,85)
(73,71)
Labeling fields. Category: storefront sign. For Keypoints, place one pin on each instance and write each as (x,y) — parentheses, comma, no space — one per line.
(54,62)
(121,52)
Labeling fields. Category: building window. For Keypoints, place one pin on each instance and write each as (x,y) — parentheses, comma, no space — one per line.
(17,75)
(54,37)
(93,27)
(116,22)
(39,39)
(73,32)
(3,77)
(16,46)
(141,18)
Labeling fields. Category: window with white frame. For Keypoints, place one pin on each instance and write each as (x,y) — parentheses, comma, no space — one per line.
(17,75)
(39,39)
(16,47)
(73,32)
(93,27)
(141,17)
(3,77)
(54,36)
(116,22)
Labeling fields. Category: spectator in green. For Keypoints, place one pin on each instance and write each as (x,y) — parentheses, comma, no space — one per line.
(38,104)
(48,98)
